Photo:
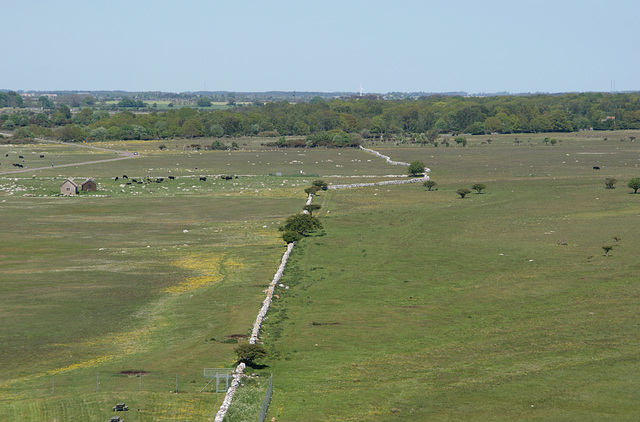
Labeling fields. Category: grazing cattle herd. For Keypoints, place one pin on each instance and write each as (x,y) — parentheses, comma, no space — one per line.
(149,179)
(22,158)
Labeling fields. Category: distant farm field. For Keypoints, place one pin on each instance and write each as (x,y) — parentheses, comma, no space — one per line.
(409,305)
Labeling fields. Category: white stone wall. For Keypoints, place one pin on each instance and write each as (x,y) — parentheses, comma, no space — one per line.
(238,373)
(257,325)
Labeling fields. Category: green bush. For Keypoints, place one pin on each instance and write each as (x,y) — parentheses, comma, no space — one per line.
(248,353)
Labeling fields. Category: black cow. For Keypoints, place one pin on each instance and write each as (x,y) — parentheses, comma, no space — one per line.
(596,168)
(20,156)
(172,177)
(124,176)
(116,178)
(41,156)
(203,179)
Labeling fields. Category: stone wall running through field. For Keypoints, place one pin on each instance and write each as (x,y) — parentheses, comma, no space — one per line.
(389,182)
(239,372)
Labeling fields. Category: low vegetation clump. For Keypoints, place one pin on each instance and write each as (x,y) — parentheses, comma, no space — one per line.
(610,183)
(311,208)
(250,353)
(429,184)
(416,168)
(301,224)
(634,184)
(290,236)
(463,192)
(479,187)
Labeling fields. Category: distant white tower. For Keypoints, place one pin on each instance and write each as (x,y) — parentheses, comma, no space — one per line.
(361,90)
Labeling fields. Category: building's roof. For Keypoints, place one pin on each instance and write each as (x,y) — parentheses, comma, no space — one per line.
(87,181)
(70,181)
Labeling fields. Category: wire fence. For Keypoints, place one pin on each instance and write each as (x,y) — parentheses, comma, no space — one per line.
(267,400)
(128,381)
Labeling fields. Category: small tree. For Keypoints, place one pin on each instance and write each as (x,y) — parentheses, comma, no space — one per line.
(216,130)
(23,133)
(479,187)
(249,353)
(301,224)
(610,182)
(460,140)
(429,184)
(463,192)
(433,135)
(312,190)
(634,184)
(319,183)
(217,145)
(290,237)
(311,208)
(416,168)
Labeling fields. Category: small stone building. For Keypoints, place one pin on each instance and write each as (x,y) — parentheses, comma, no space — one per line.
(69,187)
(89,185)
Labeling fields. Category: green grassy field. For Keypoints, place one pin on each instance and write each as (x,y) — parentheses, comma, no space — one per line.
(420,305)
(410,305)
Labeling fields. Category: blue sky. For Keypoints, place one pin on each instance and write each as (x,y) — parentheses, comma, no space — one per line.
(246,45)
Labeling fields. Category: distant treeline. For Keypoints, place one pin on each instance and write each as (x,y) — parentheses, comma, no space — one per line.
(341,122)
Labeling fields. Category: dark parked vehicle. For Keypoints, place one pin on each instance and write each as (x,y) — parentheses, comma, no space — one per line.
(120,407)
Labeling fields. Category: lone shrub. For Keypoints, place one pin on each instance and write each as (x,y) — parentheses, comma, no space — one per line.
(463,192)
(249,353)
(610,182)
(311,208)
(301,224)
(416,168)
(634,184)
(479,187)
(319,183)
(460,140)
(290,237)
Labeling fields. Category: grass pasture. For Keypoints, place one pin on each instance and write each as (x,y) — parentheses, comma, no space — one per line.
(409,305)
(420,305)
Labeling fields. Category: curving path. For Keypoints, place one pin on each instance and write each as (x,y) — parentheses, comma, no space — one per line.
(124,155)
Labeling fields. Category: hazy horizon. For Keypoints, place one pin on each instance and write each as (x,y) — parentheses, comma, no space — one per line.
(406,46)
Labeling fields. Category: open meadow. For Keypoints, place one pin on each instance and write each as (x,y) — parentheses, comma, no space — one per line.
(420,305)
(409,305)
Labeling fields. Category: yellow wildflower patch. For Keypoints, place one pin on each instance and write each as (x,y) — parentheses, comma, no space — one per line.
(209,266)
